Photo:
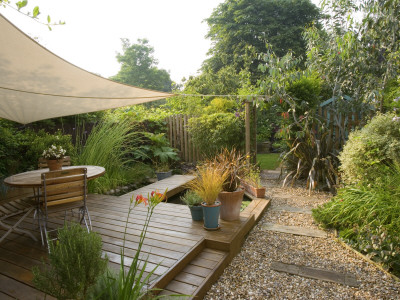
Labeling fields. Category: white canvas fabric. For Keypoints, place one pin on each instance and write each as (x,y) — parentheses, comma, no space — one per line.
(36,84)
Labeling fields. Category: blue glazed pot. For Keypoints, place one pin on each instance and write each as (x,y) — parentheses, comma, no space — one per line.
(211,215)
(197,213)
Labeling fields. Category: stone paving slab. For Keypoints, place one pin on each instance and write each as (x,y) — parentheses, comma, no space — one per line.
(301,210)
(315,273)
(296,230)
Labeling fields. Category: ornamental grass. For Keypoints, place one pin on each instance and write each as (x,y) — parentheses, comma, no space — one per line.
(208,182)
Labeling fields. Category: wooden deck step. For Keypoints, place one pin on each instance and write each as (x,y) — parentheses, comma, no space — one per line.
(316,273)
(198,276)
(292,209)
(296,230)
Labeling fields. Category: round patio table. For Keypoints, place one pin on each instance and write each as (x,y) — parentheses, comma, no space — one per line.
(34,178)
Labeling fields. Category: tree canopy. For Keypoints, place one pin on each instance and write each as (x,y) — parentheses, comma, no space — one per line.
(242,28)
(139,67)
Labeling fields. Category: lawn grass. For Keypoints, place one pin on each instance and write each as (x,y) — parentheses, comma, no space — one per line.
(268,161)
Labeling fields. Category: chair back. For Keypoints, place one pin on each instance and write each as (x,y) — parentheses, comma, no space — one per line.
(64,186)
(42,163)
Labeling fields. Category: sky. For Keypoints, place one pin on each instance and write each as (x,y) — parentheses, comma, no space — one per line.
(91,36)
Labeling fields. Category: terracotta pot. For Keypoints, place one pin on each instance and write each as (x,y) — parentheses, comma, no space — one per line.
(211,215)
(55,164)
(257,192)
(230,204)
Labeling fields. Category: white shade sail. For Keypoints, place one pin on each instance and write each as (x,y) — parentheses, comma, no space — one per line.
(36,84)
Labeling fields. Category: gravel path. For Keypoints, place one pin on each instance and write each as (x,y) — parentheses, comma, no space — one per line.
(249,275)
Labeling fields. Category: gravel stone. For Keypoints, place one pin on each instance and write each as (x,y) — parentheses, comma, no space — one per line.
(249,275)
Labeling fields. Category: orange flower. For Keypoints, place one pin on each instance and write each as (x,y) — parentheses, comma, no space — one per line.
(141,199)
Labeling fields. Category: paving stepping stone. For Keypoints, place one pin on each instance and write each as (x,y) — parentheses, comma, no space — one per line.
(301,210)
(295,230)
(321,274)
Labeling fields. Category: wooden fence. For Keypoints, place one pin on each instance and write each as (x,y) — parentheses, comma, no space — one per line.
(179,137)
(340,125)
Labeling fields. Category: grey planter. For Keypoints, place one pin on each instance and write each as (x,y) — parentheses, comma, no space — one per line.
(163,175)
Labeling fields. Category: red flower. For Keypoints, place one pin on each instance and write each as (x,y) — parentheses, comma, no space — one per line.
(141,199)
(280,101)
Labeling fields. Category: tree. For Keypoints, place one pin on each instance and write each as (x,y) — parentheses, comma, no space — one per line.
(241,28)
(139,67)
(358,59)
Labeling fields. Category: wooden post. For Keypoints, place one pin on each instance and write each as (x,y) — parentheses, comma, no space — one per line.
(247,124)
(170,129)
(182,148)
(173,131)
(185,125)
(176,139)
(254,134)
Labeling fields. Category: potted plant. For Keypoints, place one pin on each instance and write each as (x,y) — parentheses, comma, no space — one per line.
(251,182)
(207,184)
(54,156)
(231,196)
(193,200)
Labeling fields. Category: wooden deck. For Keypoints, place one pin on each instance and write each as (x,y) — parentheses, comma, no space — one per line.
(190,258)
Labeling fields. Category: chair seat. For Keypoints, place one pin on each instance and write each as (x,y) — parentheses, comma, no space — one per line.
(64,207)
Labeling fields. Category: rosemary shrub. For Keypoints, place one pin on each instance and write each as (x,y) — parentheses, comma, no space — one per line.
(75,263)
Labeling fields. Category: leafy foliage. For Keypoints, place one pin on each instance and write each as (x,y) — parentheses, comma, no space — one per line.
(211,133)
(158,150)
(109,145)
(75,264)
(357,59)
(312,155)
(378,142)
(240,29)
(20,149)
(367,216)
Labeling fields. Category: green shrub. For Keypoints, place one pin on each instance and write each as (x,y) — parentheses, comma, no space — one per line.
(75,264)
(377,142)
(20,149)
(41,140)
(368,216)
(212,133)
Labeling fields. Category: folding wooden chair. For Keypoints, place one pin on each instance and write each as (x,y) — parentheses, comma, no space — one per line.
(63,190)
(10,211)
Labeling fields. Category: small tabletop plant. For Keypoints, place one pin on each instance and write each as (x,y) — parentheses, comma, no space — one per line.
(193,200)
(54,152)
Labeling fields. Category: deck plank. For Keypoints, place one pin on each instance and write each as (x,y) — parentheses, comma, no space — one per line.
(179,247)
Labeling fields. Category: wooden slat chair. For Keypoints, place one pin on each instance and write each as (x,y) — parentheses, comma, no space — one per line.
(42,163)
(11,210)
(63,191)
